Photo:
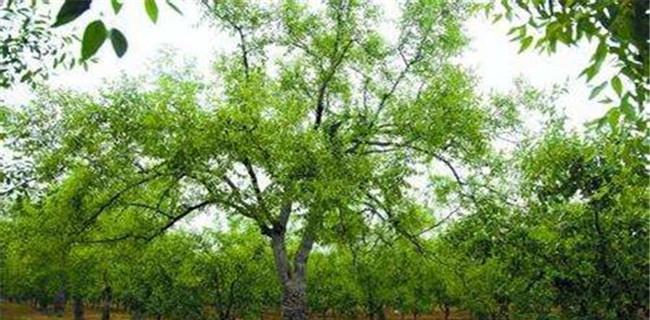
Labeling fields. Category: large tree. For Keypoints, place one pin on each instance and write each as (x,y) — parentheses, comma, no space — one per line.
(318,120)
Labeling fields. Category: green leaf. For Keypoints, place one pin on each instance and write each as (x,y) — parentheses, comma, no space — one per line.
(641,124)
(598,58)
(513,30)
(174,7)
(612,117)
(93,38)
(26,76)
(525,43)
(589,72)
(628,109)
(617,85)
(597,89)
(70,10)
(118,40)
(117,5)
(152,10)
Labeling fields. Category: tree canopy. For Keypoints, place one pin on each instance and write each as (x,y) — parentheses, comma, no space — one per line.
(346,172)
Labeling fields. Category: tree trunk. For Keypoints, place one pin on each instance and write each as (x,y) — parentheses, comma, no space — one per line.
(294,300)
(446,312)
(380,314)
(293,278)
(107,300)
(59,303)
(42,304)
(78,308)
(137,314)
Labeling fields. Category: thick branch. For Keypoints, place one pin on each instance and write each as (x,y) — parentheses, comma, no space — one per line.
(320,99)
(149,207)
(255,184)
(93,217)
(180,216)
(306,245)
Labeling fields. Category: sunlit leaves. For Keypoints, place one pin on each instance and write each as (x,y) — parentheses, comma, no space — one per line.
(525,43)
(116,5)
(151,7)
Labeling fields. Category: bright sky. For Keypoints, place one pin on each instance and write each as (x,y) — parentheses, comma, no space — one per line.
(491,56)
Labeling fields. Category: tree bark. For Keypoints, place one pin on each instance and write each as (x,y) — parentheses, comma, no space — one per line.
(380,314)
(107,300)
(59,303)
(78,308)
(137,314)
(42,304)
(292,277)
(294,300)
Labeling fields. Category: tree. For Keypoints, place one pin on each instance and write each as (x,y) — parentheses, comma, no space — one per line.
(594,194)
(333,289)
(572,244)
(333,133)
(236,273)
(155,280)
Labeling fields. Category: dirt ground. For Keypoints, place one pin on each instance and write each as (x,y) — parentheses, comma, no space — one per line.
(12,311)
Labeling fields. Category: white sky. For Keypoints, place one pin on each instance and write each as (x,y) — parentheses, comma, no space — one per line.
(490,54)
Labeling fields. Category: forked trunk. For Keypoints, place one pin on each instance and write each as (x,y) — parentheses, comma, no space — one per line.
(292,276)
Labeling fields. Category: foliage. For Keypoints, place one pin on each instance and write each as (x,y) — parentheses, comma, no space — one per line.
(95,32)
(315,160)
(29,49)
(620,29)
(577,246)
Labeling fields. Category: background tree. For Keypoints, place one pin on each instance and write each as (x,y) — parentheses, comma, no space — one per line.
(548,254)
(236,273)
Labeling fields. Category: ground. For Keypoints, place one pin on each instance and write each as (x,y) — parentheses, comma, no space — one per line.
(12,311)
